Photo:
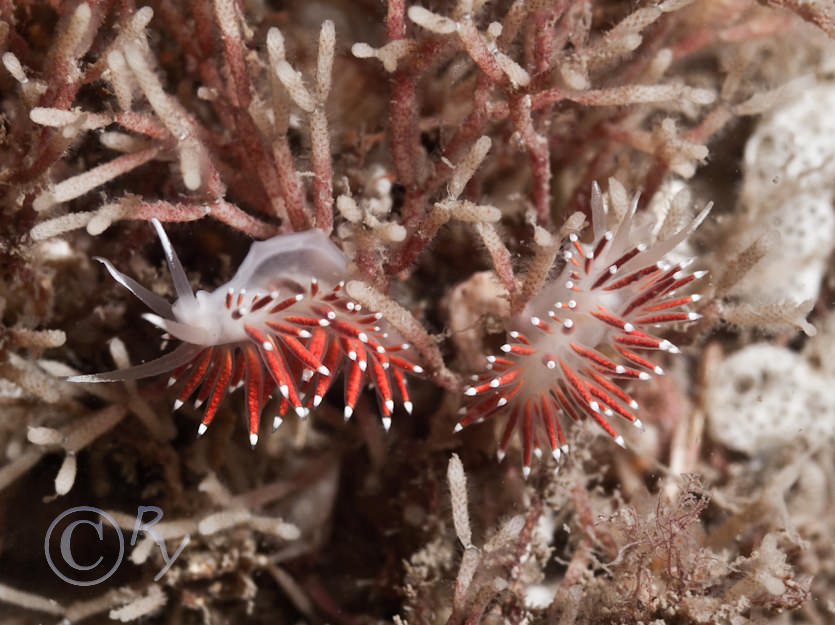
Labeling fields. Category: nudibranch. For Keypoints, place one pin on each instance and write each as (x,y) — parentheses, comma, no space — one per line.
(283,322)
(586,332)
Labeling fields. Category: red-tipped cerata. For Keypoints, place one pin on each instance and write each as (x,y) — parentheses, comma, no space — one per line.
(588,331)
(283,328)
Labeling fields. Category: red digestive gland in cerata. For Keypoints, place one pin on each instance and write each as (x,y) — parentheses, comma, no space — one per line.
(282,328)
(585,334)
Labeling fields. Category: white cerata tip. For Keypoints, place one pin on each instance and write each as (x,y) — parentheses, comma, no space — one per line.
(253,439)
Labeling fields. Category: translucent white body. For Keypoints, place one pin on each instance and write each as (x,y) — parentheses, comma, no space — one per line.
(282,266)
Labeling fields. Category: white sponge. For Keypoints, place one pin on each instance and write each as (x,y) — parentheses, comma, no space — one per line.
(793,144)
(764,397)
(788,186)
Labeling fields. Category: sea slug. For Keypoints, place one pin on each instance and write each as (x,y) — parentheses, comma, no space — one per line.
(584,331)
(282,322)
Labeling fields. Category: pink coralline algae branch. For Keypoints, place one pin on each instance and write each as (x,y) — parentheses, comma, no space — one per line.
(535,78)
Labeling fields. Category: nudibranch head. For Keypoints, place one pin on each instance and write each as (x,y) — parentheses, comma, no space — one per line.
(585,332)
(282,323)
